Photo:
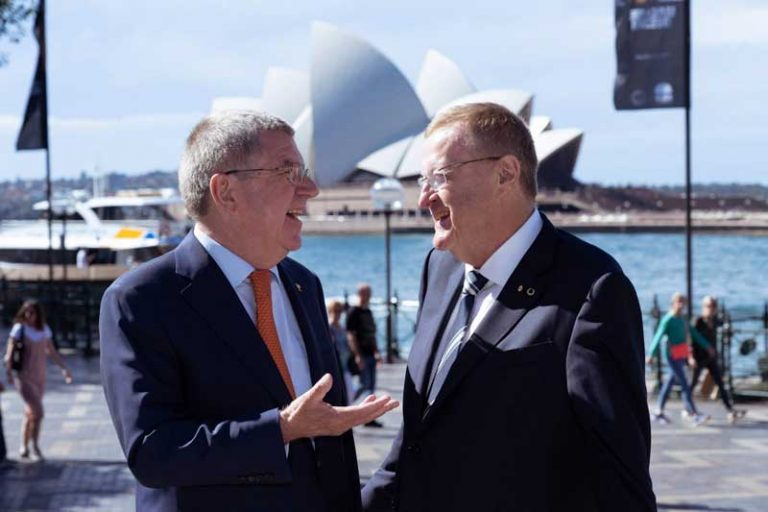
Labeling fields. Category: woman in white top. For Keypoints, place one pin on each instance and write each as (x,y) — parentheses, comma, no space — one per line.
(30,327)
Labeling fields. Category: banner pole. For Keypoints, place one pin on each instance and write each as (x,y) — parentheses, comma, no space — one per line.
(50,217)
(688,207)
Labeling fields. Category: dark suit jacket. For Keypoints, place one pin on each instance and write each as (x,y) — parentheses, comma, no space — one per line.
(194,393)
(557,421)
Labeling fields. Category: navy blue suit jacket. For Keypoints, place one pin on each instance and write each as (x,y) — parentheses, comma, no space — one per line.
(194,393)
(555,421)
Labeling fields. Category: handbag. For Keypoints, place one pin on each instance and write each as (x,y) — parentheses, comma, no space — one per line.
(17,352)
(678,352)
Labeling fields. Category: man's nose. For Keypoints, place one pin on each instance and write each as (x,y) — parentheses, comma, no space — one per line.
(307,187)
(425,196)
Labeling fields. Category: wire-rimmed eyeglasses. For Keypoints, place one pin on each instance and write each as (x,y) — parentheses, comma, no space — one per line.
(437,179)
(294,173)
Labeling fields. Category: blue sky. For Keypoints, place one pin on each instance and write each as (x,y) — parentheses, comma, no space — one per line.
(128,80)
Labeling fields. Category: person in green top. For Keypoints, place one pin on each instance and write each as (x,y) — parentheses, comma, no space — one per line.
(675,328)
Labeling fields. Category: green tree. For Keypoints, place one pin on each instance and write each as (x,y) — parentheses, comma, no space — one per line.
(13,13)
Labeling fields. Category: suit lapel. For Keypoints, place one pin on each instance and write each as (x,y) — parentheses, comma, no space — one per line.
(519,295)
(295,291)
(211,296)
(437,307)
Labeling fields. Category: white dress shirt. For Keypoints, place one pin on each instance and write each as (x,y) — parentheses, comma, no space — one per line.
(237,270)
(497,269)
(500,266)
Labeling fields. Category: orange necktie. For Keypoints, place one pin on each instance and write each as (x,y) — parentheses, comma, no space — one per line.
(265,323)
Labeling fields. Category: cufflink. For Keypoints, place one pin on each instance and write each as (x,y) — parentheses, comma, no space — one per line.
(298,287)
(520,289)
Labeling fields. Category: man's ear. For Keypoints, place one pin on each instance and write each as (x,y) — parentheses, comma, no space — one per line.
(510,170)
(222,193)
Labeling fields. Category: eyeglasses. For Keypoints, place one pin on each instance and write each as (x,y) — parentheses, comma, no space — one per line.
(295,173)
(437,179)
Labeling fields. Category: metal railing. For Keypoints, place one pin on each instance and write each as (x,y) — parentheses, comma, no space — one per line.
(742,360)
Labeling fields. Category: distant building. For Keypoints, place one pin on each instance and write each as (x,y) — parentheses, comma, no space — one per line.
(358,118)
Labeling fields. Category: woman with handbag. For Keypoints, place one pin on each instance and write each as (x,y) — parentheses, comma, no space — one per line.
(674,327)
(29,345)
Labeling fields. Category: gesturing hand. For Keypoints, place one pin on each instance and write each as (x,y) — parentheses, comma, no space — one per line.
(309,416)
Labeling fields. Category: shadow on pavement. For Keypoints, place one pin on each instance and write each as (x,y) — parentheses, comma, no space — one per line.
(56,485)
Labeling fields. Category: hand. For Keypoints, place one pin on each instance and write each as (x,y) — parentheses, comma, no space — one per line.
(691,362)
(309,416)
(67,376)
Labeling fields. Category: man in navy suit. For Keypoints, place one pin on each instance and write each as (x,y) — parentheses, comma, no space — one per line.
(217,363)
(525,386)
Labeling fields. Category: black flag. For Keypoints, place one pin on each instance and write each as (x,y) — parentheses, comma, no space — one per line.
(34,130)
(651,54)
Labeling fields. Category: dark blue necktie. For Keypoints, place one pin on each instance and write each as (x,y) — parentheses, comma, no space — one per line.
(453,338)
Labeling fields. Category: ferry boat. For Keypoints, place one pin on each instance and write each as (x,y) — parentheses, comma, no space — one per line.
(125,229)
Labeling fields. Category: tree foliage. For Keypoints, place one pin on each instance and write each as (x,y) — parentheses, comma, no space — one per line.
(13,14)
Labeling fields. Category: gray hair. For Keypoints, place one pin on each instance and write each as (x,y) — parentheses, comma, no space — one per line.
(218,143)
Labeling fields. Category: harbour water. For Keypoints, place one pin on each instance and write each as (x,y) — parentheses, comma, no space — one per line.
(732,267)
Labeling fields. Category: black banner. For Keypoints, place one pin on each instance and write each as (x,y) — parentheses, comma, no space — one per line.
(34,130)
(651,54)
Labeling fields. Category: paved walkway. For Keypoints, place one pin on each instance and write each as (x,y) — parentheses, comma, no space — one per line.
(717,467)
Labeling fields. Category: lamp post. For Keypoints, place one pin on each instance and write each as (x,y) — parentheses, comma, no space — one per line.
(387,196)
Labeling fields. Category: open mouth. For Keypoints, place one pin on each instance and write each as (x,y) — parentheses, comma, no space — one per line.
(296,214)
(442,218)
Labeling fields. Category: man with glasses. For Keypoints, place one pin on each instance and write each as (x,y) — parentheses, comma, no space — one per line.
(217,363)
(525,385)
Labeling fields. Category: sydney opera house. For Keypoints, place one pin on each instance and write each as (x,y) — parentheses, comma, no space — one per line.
(358,118)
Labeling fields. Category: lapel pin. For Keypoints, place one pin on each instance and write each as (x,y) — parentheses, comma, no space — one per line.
(298,287)
(520,288)
(530,292)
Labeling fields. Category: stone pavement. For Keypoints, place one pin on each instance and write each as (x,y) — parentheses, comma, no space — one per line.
(717,467)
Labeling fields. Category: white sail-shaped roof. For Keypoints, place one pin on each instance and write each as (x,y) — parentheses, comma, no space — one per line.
(440,82)
(410,165)
(303,133)
(519,102)
(360,102)
(236,103)
(386,160)
(549,142)
(285,93)
(539,124)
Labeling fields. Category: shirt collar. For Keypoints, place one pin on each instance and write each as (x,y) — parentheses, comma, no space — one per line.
(235,268)
(503,262)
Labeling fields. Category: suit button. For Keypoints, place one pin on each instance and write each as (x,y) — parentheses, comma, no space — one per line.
(414,448)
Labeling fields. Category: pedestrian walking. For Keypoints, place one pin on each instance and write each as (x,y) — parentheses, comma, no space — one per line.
(675,329)
(32,337)
(706,324)
(361,330)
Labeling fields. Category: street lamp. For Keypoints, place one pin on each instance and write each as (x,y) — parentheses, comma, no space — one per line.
(387,196)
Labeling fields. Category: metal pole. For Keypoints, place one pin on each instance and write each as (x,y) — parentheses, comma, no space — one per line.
(688,237)
(50,216)
(387,215)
